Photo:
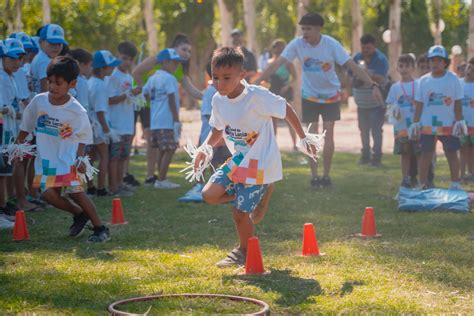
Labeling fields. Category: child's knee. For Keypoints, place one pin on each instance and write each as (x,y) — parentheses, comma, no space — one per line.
(49,195)
(239,216)
(209,197)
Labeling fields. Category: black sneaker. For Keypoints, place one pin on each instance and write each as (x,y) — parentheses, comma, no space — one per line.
(91,191)
(326,182)
(130,180)
(316,183)
(4,214)
(10,209)
(101,234)
(151,181)
(406,182)
(78,224)
(102,192)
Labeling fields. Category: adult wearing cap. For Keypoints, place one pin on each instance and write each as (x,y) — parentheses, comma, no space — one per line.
(51,39)
(250,63)
(318,55)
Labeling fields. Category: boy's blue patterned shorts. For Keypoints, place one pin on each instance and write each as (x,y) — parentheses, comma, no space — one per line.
(247,196)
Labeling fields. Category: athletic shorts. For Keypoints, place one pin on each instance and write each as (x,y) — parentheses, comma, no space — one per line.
(120,150)
(311,111)
(163,139)
(398,147)
(144,115)
(428,143)
(247,196)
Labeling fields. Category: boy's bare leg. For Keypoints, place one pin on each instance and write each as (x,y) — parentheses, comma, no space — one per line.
(120,171)
(470,160)
(215,194)
(3,199)
(464,159)
(113,175)
(53,197)
(314,166)
(103,152)
(259,213)
(245,228)
(328,150)
(87,206)
(425,162)
(453,162)
(10,187)
(151,154)
(30,174)
(19,180)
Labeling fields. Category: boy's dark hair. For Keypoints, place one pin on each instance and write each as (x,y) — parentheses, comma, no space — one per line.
(128,49)
(406,59)
(227,57)
(422,59)
(81,55)
(314,19)
(63,66)
(209,69)
(367,39)
(471,61)
(180,39)
(65,50)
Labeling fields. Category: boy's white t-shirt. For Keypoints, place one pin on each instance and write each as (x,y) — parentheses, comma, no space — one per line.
(438,96)
(206,103)
(21,81)
(38,69)
(318,63)
(121,115)
(8,97)
(158,87)
(59,131)
(246,122)
(402,94)
(98,99)
(468,105)
(81,92)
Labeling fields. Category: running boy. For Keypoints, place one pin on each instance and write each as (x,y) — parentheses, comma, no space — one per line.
(467,142)
(62,130)
(162,90)
(438,115)
(242,115)
(400,98)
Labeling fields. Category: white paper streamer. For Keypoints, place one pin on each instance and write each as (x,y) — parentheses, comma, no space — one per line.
(316,140)
(192,174)
(90,170)
(460,128)
(18,151)
(113,136)
(414,130)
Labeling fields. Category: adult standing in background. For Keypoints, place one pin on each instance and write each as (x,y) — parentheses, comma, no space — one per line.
(250,63)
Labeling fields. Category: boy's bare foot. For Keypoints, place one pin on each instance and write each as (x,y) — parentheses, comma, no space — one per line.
(27,206)
(259,213)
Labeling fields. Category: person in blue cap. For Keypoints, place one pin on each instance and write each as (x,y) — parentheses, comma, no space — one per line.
(438,115)
(51,40)
(103,63)
(162,91)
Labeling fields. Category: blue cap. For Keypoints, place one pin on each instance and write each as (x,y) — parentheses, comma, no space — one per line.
(24,39)
(35,41)
(169,54)
(437,51)
(13,48)
(52,33)
(2,48)
(103,58)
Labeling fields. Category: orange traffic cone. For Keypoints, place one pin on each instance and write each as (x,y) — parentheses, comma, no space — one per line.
(20,231)
(117,212)
(254,262)
(368,224)
(310,244)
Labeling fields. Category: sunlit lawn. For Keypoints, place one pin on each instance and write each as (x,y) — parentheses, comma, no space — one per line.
(423,263)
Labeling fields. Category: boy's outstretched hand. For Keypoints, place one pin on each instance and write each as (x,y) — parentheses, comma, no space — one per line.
(81,167)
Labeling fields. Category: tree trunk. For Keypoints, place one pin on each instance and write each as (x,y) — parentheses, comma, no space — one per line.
(357,26)
(18,16)
(395,46)
(150,27)
(437,35)
(302,10)
(471,33)
(226,23)
(46,12)
(249,18)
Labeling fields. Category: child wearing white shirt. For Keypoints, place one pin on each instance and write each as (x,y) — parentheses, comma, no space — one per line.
(242,115)
(467,142)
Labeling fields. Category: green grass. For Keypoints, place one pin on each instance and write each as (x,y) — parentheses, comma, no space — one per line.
(423,263)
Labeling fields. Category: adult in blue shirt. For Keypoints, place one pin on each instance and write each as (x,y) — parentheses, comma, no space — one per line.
(370,112)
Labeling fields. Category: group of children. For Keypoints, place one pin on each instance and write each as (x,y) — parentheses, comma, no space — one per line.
(439,105)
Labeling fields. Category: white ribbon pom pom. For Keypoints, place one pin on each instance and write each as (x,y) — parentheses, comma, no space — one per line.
(393,114)
(316,140)
(18,151)
(414,130)
(113,136)
(198,173)
(90,170)
(138,101)
(460,128)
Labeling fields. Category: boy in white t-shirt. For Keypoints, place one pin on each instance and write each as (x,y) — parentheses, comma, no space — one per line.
(242,115)
(62,132)
(400,98)
(438,115)
(121,114)
(162,91)
(467,142)
(81,91)
(103,64)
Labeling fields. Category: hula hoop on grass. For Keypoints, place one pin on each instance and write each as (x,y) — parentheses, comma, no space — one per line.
(265,309)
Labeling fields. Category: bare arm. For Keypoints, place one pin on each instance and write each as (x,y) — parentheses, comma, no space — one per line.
(377,78)
(21,137)
(458,109)
(81,150)
(143,68)
(270,70)
(172,105)
(293,120)
(418,110)
(191,88)
(117,99)
(103,122)
(364,76)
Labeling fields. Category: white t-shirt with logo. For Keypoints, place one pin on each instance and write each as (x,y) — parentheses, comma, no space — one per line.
(246,122)
(206,104)
(158,87)
(21,81)
(468,105)
(318,63)
(59,131)
(98,100)
(38,69)
(8,97)
(438,96)
(121,115)
(402,94)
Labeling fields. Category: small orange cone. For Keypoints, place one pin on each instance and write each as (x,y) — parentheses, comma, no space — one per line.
(117,212)
(20,231)
(368,224)
(310,244)
(254,262)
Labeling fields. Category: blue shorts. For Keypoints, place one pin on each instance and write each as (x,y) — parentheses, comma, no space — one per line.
(247,196)
(428,143)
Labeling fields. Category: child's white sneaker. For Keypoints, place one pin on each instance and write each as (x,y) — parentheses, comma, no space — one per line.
(455,185)
(5,223)
(166,184)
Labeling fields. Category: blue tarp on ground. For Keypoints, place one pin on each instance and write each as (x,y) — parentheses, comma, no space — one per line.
(433,200)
